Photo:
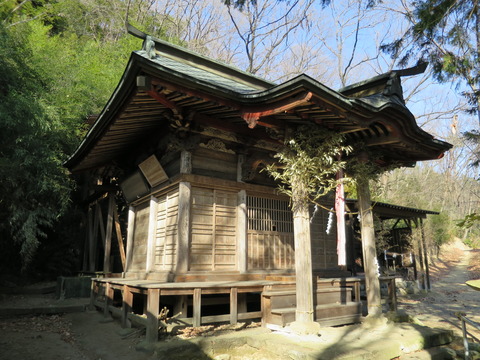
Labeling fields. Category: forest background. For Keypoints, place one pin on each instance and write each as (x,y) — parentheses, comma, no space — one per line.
(60,61)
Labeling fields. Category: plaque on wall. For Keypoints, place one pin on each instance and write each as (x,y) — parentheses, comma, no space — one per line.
(153,171)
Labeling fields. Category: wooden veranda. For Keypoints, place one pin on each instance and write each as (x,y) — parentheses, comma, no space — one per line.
(140,302)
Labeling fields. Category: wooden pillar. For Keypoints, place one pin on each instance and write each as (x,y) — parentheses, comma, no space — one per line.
(185,162)
(425,251)
(197,307)
(392,294)
(153,310)
(127,302)
(368,246)
(421,281)
(242,231)
(303,266)
(93,294)
(240,161)
(93,240)
(108,235)
(151,239)
(89,264)
(233,305)
(130,232)
(184,207)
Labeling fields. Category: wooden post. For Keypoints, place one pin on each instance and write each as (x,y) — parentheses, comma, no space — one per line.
(153,310)
(197,307)
(422,281)
(93,240)
(87,264)
(127,302)
(242,231)
(392,294)
(185,162)
(108,299)
(303,258)
(108,235)
(425,251)
(93,294)
(151,239)
(240,161)
(130,232)
(233,305)
(184,205)
(368,246)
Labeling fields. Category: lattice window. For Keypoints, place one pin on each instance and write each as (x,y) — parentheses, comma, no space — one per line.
(270,234)
(266,214)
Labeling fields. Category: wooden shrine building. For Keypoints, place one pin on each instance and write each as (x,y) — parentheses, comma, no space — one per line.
(174,160)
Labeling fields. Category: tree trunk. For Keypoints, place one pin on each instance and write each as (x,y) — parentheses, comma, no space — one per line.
(368,246)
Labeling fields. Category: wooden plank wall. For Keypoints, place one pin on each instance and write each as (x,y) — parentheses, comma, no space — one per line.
(140,236)
(270,234)
(166,232)
(213,238)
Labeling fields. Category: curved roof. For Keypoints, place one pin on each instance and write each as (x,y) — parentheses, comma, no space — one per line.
(163,82)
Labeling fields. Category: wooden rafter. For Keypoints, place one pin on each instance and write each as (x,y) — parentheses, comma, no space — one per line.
(252,115)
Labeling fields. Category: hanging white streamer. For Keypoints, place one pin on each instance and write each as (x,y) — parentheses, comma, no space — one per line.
(330,221)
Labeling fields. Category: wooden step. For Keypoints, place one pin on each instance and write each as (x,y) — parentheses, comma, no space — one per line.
(326,314)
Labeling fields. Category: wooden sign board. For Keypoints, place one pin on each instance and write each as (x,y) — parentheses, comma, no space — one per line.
(153,171)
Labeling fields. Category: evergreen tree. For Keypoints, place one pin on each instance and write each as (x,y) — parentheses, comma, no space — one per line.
(446,34)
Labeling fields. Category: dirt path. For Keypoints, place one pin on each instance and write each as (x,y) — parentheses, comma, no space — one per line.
(448,296)
(89,336)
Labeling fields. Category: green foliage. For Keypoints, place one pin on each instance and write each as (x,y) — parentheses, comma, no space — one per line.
(307,166)
(441,228)
(60,62)
(366,164)
(469,220)
(444,33)
(34,185)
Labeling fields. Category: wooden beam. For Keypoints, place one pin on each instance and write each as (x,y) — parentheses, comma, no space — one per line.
(153,310)
(108,234)
(162,99)
(118,233)
(252,115)
(101,225)
(372,283)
